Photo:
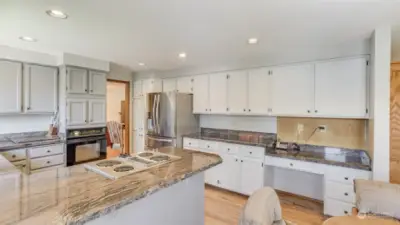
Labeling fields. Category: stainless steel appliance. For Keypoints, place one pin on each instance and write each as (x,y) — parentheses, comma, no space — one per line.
(121,166)
(86,144)
(169,116)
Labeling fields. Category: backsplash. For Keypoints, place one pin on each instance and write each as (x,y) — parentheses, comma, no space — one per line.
(245,136)
(346,133)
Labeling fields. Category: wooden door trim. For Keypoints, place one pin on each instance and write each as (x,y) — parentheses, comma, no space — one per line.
(127,148)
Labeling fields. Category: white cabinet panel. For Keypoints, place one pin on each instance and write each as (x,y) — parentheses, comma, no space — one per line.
(252,175)
(229,175)
(340,88)
(76,112)
(77,81)
(40,89)
(152,86)
(138,114)
(185,84)
(237,92)
(97,83)
(218,93)
(169,85)
(10,87)
(137,89)
(201,94)
(97,111)
(258,91)
(292,90)
(138,141)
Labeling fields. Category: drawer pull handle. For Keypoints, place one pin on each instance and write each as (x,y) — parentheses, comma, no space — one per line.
(208,146)
(346,178)
(291,164)
(190,143)
(345,212)
(241,160)
(346,194)
(48,162)
(13,156)
(228,149)
(23,166)
(48,151)
(251,153)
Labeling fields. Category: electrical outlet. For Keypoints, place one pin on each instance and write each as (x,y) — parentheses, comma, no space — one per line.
(322,128)
(300,127)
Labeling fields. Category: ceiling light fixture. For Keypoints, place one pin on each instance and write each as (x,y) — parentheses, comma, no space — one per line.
(252,41)
(26,38)
(182,55)
(57,14)
(141,64)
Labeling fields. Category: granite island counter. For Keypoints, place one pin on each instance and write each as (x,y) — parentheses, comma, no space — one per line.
(171,193)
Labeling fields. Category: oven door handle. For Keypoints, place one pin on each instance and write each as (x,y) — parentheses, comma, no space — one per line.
(160,139)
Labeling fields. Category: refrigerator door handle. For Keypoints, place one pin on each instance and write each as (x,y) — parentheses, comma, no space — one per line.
(160,139)
(153,119)
(158,114)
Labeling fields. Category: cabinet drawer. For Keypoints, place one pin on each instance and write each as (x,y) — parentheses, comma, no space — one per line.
(47,168)
(228,148)
(190,143)
(337,208)
(21,165)
(253,152)
(46,150)
(345,175)
(295,165)
(15,155)
(339,191)
(46,161)
(208,145)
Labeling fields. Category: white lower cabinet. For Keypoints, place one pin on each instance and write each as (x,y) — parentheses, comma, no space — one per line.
(252,175)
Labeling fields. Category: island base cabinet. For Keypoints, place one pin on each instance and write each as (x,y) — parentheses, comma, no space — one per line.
(180,204)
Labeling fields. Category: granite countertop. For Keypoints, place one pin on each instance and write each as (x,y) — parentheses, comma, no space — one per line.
(73,195)
(10,143)
(227,140)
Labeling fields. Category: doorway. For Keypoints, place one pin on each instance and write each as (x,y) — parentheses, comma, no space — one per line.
(118,99)
(395,123)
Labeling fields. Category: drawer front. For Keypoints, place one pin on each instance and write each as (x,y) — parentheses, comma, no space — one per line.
(47,168)
(46,161)
(21,165)
(208,145)
(46,150)
(345,175)
(253,152)
(339,191)
(337,208)
(295,165)
(228,148)
(190,143)
(15,155)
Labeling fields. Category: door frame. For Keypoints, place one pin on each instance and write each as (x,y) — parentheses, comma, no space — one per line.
(127,148)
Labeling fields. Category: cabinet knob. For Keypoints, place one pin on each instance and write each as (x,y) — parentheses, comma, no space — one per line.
(48,162)
(91,120)
(241,160)
(208,146)
(85,121)
(346,178)
(291,164)
(86,90)
(308,111)
(346,194)
(316,111)
(227,109)
(190,143)
(23,166)
(236,160)
(229,149)
(48,151)
(13,156)
(91,91)
(345,212)
(210,110)
(29,108)
(244,110)
(249,110)
(251,153)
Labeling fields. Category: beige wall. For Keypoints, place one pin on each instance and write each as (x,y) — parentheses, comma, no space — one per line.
(115,94)
(346,133)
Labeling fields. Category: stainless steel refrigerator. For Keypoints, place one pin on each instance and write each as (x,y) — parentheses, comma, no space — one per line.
(169,116)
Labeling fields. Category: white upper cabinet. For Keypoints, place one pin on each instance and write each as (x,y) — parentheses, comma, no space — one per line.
(76,112)
(340,88)
(10,87)
(218,93)
(169,85)
(201,94)
(97,83)
(237,92)
(184,84)
(137,89)
(258,91)
(292,90)
(77,81)
(97,111)
(152,86)
(252,175)
(40,89)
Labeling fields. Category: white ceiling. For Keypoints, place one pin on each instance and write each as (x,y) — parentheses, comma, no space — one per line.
(211,32)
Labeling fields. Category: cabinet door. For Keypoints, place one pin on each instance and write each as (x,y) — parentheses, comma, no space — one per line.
(40,89)
(340,88)
(10,87)
(200,94)
(138,114)
(77,81)
(76,112)
(138,142)
(237,92)
(97,112)
(169,85)
(218,93)
(252,175)
(258,91)
(185,84)
(229,174)
(97,83)
(293,90)
(137,89)
(152,86)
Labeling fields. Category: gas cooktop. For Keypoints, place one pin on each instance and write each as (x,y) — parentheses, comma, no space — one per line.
(128,164)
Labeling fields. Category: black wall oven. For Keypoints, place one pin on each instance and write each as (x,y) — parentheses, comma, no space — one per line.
(85,145)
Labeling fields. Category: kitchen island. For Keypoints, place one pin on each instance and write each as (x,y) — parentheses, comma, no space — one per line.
(171,193)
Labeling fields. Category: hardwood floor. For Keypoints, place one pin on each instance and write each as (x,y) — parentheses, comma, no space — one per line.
(223,208)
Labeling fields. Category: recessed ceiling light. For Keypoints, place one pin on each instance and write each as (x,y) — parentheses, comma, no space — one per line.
(252,41)
(182,55)
(57,14)
(141,64)
(26,38)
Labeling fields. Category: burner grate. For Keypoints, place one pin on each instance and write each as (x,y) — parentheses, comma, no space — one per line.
(123,168)
(108,163)
(145,154)
(160,158)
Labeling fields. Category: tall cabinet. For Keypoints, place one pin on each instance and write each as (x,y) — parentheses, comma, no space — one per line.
(138,110)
